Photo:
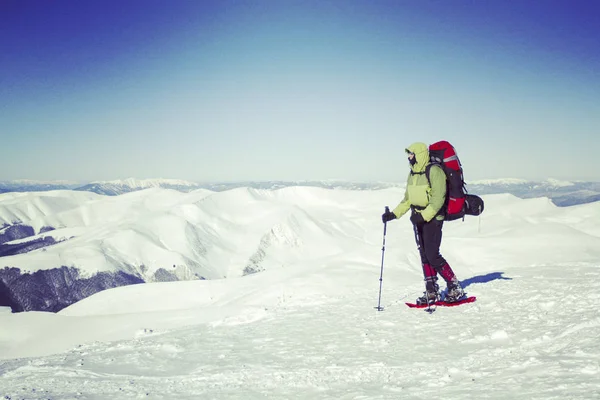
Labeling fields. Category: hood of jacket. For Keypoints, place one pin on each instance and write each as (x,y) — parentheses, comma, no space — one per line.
(421,152)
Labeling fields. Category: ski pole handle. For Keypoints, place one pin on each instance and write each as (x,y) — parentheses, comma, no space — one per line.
(387,210)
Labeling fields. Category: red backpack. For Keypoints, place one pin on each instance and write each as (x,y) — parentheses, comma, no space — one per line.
(458,202)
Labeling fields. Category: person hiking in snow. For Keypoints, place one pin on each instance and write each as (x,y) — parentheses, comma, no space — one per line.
(426,201)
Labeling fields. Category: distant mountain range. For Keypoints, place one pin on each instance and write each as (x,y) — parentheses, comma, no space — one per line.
(562,193)
(118,187)
(24,185)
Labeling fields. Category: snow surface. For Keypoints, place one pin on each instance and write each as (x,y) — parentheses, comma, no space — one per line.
(309,330)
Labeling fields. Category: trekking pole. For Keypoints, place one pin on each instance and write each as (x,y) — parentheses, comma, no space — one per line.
(379,308)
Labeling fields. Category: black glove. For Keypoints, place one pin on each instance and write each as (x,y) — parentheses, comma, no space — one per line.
(387,216)
(417,218)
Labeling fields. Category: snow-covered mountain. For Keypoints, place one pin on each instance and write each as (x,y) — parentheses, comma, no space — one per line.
(52,238)
(118,187)
(304,325)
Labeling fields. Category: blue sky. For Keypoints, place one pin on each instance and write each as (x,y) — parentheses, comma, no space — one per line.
(261,90)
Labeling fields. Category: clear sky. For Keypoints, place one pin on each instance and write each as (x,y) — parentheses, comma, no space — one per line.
(283,89)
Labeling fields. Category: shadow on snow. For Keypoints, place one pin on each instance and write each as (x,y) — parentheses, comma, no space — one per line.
(492,276)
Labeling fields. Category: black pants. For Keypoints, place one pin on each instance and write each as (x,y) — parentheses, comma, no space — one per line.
(429,239)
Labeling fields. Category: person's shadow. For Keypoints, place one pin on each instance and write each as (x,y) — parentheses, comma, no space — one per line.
(492,276)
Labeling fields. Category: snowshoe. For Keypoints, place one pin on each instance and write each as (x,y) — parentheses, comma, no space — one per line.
(427,298)
(455,293)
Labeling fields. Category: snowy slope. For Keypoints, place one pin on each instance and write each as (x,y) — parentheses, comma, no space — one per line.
(34,207)
(92,222)
(308,330)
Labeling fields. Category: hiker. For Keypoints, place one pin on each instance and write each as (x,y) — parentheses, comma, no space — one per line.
(427,202)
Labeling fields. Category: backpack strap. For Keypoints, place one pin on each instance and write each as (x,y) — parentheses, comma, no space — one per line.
(442,210)
(427,172)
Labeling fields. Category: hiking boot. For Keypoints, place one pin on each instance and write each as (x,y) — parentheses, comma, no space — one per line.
(428,298)
(455,292)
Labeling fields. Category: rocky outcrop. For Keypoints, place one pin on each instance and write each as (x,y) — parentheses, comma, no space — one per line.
(25,247)
(54,289)
(16,232)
